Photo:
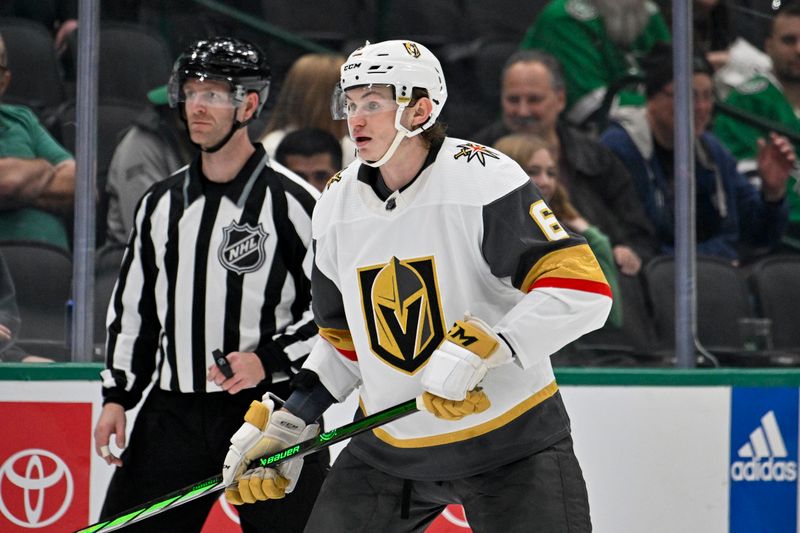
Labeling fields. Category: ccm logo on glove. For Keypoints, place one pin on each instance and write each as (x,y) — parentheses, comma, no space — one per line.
(470,349)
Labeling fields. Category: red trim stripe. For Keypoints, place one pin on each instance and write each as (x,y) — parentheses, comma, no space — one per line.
(584,285)
(350,354)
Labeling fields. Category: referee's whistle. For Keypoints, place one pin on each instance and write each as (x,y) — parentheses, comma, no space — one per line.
(223,364)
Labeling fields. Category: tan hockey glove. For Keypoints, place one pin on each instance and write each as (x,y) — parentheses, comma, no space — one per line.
(475,402)
(470,349)
(263,433)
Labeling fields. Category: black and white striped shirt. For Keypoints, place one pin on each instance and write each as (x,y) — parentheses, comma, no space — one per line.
(212,266)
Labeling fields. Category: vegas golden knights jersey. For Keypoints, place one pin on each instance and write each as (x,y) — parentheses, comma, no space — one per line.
(470,233)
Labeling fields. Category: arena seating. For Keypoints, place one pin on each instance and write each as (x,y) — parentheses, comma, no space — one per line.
(42,276)
(37,78)
(776,284)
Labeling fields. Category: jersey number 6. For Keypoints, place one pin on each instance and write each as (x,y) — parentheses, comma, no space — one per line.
(547,221)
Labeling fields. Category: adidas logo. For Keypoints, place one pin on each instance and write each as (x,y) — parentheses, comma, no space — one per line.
(764,455)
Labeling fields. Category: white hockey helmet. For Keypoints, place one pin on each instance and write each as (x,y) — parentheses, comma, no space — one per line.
(402,65)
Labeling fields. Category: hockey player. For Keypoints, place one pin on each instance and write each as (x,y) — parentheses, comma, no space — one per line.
(420,233)
(216,260)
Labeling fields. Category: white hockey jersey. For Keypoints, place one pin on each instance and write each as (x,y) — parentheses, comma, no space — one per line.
(470,233)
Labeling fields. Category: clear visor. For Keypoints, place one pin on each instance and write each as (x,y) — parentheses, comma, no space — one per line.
(210,93)
(363,100)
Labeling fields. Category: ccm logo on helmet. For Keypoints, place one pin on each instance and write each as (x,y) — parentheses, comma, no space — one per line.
(351,66)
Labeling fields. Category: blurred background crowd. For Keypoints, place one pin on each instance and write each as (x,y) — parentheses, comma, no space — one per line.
(579,92)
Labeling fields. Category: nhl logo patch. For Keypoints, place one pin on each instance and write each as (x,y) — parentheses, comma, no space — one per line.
(243,247)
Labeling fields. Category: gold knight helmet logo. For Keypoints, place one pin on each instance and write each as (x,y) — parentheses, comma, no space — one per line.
(412,49)
(402,311)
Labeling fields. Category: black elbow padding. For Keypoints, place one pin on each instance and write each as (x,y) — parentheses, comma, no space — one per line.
(305,380)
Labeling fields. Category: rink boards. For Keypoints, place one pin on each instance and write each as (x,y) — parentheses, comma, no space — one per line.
(662,450)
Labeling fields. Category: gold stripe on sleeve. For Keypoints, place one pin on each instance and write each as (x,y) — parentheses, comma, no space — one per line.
(341,340)
(574,262)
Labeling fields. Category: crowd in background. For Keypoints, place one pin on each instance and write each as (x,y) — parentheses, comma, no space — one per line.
(581,96)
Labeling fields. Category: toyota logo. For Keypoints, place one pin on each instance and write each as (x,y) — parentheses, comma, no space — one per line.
(32,472)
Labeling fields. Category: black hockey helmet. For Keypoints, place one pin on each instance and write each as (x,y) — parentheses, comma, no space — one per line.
(235,61)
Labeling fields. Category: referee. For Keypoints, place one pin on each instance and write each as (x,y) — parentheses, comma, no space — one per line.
(218,259)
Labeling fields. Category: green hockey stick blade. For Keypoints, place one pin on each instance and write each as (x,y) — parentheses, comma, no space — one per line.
(215,483)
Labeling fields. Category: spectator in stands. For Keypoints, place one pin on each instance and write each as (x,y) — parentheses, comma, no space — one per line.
(153,148)
(775,98)
(304,102)
(532,98)
(533,155)
(730,211)
(598,42)
(313,154)
(37,175)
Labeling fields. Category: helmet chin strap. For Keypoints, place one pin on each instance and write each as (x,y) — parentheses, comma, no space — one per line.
(398,138)
(234,127)
(402,133)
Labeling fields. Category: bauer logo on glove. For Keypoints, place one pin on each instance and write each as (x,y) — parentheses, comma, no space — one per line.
(264,432)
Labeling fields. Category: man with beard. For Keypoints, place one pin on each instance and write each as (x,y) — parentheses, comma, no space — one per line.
(533,96)
(775,97)
(597,42)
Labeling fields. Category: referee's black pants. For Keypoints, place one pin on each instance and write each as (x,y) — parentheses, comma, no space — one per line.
(179,439)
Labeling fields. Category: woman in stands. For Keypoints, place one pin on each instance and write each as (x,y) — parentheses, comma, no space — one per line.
(535,157)
(304,102)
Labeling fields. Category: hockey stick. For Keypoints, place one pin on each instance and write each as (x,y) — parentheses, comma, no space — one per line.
(214,484)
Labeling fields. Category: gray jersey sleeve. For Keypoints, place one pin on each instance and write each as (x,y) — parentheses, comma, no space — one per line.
(327,301)
(519,230)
